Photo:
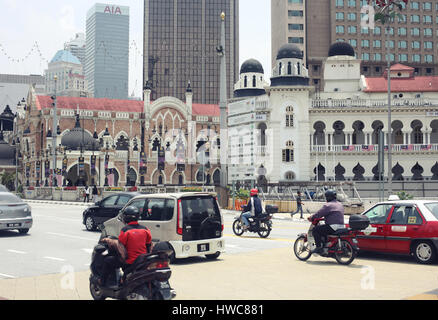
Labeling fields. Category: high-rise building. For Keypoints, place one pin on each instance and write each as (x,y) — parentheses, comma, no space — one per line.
(180,41)
(107,51)
(316,24)
(77,47)
(69,74)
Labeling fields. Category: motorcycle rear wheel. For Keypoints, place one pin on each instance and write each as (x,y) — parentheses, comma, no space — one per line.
(237,228)
(347,254)
(301,249)
(264,230)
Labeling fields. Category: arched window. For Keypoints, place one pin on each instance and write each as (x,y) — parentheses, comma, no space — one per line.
(319,136)
(417,134)
(289,117)
(358,135)
(289,68)
(254,81)
(298,68)
(280,66)
(245,81)
(288,152)
(434,133)
(338,135)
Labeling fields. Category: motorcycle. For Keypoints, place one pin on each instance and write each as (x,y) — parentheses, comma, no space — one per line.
(342,245)
(262,224)
(146,279)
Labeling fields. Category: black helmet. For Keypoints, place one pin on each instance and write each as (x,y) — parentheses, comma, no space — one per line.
(330,195)
(131,214)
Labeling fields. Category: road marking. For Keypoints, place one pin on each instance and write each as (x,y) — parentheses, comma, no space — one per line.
(16,251)
(87,250)
(53,258)
(6,276)
(69,236)
(57,218)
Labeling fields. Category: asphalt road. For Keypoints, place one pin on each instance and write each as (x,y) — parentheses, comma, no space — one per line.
(251,269)
(58,241)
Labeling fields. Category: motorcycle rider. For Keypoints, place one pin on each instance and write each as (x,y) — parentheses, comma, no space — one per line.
(253,208)
(333,214)
(137,240)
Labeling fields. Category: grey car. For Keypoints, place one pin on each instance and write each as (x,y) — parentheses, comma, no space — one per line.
(15,214)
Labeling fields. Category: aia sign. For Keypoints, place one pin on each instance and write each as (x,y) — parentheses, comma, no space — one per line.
(112,10)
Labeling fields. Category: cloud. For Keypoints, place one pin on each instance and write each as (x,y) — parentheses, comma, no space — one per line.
(67,19)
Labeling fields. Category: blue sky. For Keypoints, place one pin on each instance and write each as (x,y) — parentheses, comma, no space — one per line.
(52,23)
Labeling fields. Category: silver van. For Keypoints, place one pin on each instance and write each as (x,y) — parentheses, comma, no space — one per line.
(190,222)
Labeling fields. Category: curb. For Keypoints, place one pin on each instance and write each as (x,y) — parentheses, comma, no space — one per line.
(58,202)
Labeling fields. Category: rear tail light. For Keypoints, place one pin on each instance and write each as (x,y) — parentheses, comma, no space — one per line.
(179,226)
(158,265)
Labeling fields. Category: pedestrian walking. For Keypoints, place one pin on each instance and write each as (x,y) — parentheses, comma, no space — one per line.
(299,206)
(95,194)
(87,193)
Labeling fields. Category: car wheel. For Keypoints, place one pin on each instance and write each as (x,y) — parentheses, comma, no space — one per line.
(90,224)
(23,231)
(424,252)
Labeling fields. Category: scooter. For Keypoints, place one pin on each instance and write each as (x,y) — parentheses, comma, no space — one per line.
(262,224)
(342,245)
(146,279)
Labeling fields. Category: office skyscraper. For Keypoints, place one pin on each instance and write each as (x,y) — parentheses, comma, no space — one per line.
(180,40)
(107,51)
(316,24)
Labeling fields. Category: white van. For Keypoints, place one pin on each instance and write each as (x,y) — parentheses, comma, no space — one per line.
(190,222)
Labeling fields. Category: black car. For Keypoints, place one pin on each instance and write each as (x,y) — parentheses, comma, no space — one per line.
(106,209)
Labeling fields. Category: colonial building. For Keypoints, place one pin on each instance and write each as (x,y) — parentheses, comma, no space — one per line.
(119,142)
(302,134)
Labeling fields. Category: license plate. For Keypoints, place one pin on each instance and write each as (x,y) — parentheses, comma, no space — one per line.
(203,247)
(164,285)
(12,225)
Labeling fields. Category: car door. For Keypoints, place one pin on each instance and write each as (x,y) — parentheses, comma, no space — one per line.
(404,223)
(373,237)
(154,210)
(122,200)
(107,208)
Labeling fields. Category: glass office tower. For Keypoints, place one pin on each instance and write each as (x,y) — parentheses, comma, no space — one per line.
(180,43)
(107,51)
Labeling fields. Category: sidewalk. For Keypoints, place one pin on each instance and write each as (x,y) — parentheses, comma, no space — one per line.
(279,216)
(67,203)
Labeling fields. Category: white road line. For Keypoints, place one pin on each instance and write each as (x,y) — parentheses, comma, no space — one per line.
(69,236)
(53,258)
(16,251)
(6,276)
(87,250)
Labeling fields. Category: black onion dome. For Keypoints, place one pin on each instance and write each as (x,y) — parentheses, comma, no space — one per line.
(290,50)
(341,49)
(251,66)
(77,137)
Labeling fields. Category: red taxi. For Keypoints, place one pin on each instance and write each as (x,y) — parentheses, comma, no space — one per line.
(402,227)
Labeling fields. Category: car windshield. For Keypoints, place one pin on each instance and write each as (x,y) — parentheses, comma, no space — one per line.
(9,198)
(432,207)
(195,208)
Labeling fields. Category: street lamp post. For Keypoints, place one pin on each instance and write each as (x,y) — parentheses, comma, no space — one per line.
(54,133)
(388,60)
(223,104)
